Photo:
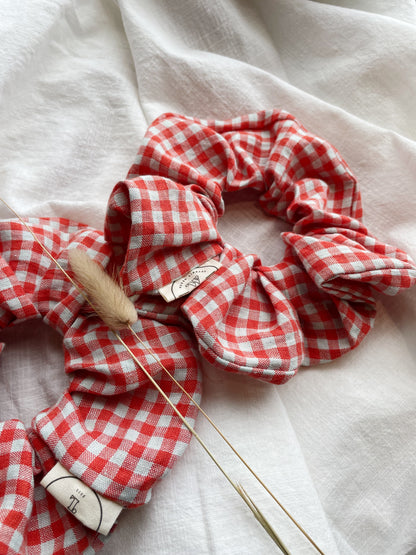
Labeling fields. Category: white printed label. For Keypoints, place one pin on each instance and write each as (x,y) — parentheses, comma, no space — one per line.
(190,281)
(88,506)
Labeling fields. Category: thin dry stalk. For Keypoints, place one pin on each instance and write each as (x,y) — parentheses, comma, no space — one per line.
(262,519)
(238,488)
(45,250)
(107,298)
(220,433)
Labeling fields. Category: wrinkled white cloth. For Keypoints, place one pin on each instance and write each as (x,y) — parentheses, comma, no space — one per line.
(80,82)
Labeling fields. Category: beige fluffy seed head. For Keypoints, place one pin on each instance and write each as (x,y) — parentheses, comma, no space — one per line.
(106,297)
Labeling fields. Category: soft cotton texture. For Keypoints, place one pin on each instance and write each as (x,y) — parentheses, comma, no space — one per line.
(80,83)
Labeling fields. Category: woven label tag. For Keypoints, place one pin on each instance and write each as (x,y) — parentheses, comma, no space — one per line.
(190,281)
(88,506)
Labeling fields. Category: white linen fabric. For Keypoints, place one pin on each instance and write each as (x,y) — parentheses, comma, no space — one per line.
(80,82)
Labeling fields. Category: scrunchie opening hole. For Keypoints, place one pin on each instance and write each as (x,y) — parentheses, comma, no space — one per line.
(32,375)
(247,227)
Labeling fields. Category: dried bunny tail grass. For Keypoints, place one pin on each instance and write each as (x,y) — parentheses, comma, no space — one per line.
(107,297)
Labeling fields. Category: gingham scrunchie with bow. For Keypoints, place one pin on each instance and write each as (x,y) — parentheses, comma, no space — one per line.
(110,428)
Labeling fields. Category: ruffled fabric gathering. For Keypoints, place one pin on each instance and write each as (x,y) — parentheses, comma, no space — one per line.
(265,321)
(110,428)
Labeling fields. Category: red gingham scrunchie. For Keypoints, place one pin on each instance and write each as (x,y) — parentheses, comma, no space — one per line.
(111,428)
(265,321)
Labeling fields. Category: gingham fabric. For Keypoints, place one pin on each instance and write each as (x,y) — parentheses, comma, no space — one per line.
(111,428)
(265,321)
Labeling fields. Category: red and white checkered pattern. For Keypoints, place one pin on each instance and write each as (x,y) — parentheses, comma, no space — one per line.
(111,428)
(31,521)
(315,304)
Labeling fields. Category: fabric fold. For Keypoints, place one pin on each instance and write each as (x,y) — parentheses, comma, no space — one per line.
(312,306)
(111,428)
